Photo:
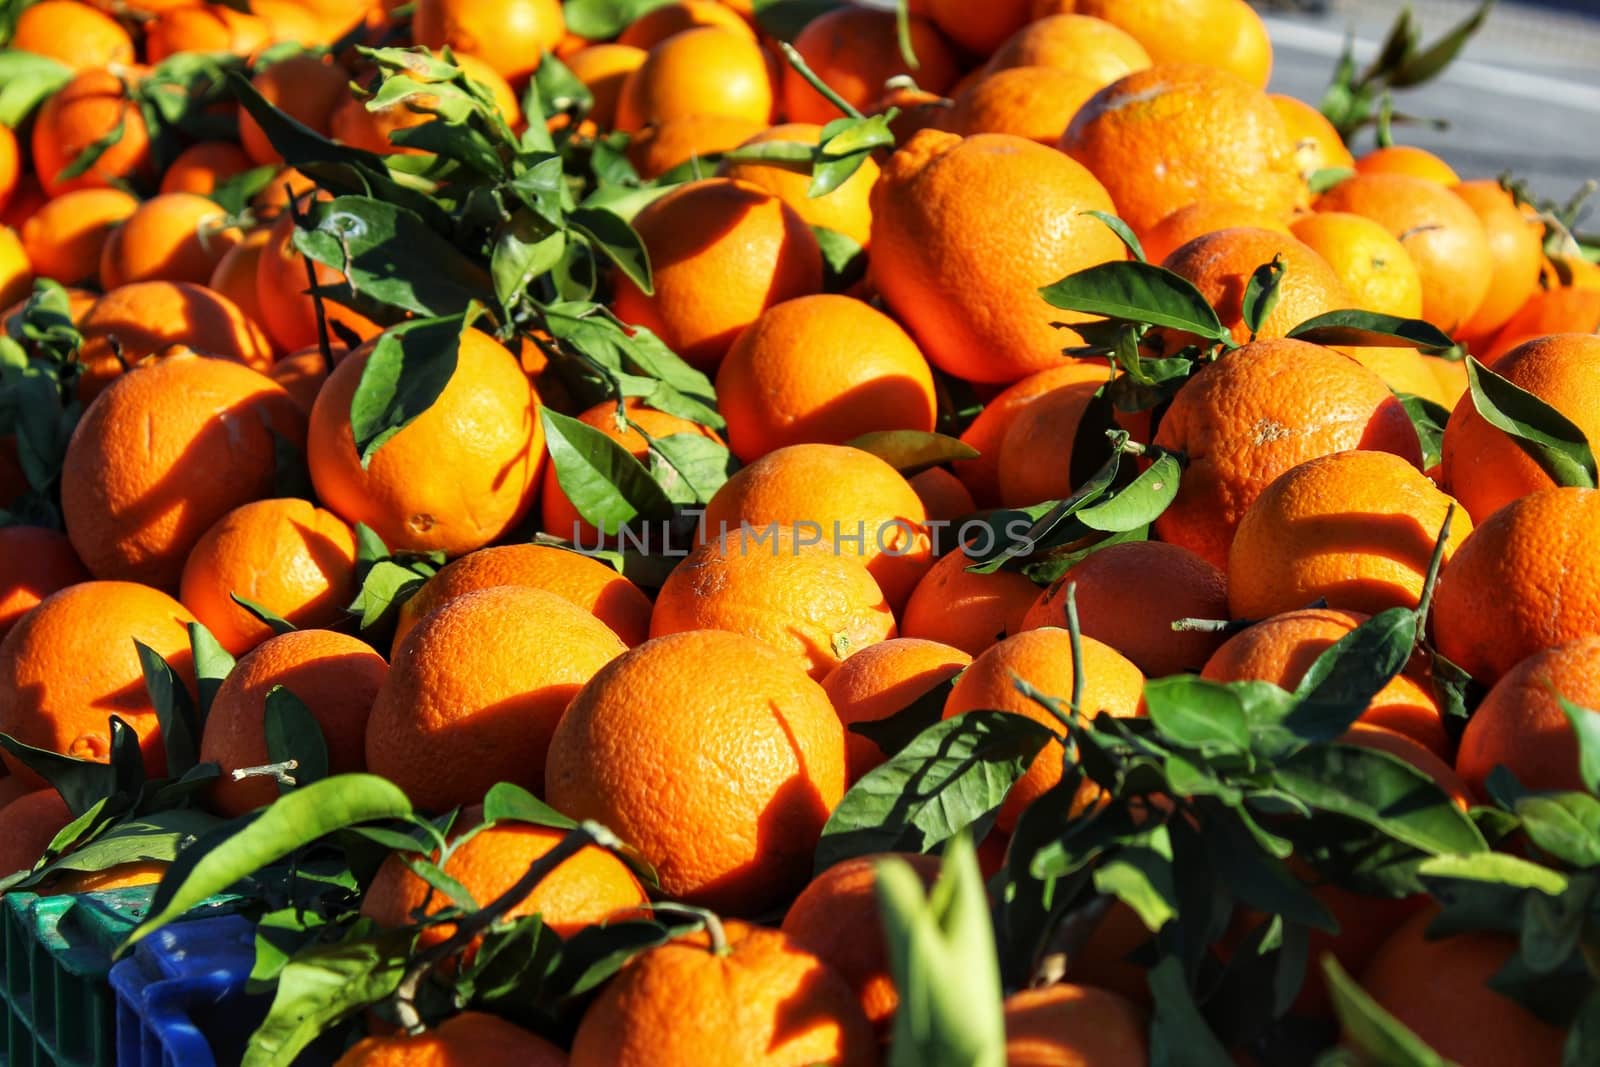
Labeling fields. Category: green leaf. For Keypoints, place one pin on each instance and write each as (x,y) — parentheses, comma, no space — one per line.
(1197,713)
(953,775)
(1420,67)
(81,783)
(1139,502)
(293,733)
(913,451)
(1340,683)
(409,367)
(1123,231)
(1261,293)
(1428,419)
(507,801)
(601,20)
(26,81)
(220,859)
(1137,292)
(1369,1028)
(275,622)
(618,241)
(212,663)
(1494,868)
(1140,874)
(1179,1033)
(387,586)
(526,249)
(606,485)
(1583,1039)
(155,838)
(844,261)
(1550,439)
(180,730)
(1564,825)
(1369,328)
(690,467)
(895,731)
(1586,725)
(783,19)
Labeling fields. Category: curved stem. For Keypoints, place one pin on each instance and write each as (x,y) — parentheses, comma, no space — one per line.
(799,65)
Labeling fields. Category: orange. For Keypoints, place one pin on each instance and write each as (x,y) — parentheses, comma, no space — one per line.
(603,68)
(974,306)
(336,16)
(1439,989)
(1451,374)
(659,23)
(1410,160)
(307,87)
(1281,649)
(1063,1025)
(472,1037)
(234,275)
(1043,658)
(1129,595)
(585,889)
(335,676)
(459,475)
(978,28)
(295,560)
(687,138)
(1256,412)
(1317,145)
(1091,48)
(880,680)
(370,129)
(11,173)
(64,238)
(1162,138)
(850,501)
(838,918)
(712,754)
(1520,724)
(1376,270)
(942,495)
(1442,234)
(762,1002)
(289,21)
(1523,582)
(1483,466)
(709,70)
(168,449)
(1355,529)
(1405,370)
(34,562)
(969,611)
(557,514)
(845,209)
(1222,33)
(855,51)
(27,826)
(509,35)
(1036,452)
(1032,102)
(1220,265)
(202,167)
(121,876)
(204,28)
(1565,310)
(1200,218)
(273,200)
(801,598)
(476,690)
(302,374)
(175,237)
(823,369)
(69,664)
(585,582)
(11,788)
(1517,250)
(16,273)
(987,432)
(144,318)
(72,33)
(287,309)
(500,91)
(79,301)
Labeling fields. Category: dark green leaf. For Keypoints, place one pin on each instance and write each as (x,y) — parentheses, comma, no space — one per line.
(785,18)
(1140,501)
(895,731)
(155,838)
(409,367)
(1179,1033)
(1371,1029)
(1261,293)
(180,728)
(293,733)
(1428,419)
(1420,67)
(913,451)
(211,665)
(1123,231)
(81,783)
(1369,328)
(1340,684)
(1550,439)
(1137,292)
(619,242)
(507,801)
(1197,713)
(606,485)
(1583,1039)
(277,623)
(1140,874)
(1586,725)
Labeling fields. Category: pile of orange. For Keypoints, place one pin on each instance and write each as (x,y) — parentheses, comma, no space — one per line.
(704,717)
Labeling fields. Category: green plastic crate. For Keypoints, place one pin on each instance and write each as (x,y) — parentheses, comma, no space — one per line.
(56,955)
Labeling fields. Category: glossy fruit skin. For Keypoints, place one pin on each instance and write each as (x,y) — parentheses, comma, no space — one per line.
(1220,265)
(78,115)
(145,319)
(509,35)
(34,562)
(699,71)
(1200,218)
(65,236)
(1520,723)
(1087,46)
(883,679)
(972,612)
(987,432)
(175,237)
(846,209)
(1375,268)
(288,312)
(74,34)
(1226,34)
(1516,246)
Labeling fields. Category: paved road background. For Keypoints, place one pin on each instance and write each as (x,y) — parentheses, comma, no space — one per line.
(1524,96)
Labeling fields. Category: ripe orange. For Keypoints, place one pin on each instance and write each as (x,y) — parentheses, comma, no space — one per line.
(987,432)
(942,495)
(1405,370)
(1089,47)
(721,253)
(850,501)
(1226,34)
(1520,725)
(1220,265)
(476,690)
(1258,411)
(1162,138)
(603,68)
(1043,658)
(27,826)
(880,680)
(472,1037)
(977,28)
(80,114)
(845,209)
(1355,529)
(70,663)
(289,21)
(1523,582)
(587,888)
(585,582)
(1440,232)
(204,28)
(1377,272)
(456,477)
(689,138)
(1409,160)
(1036,452)
(838,918)
(1384,739)
(287,309)
(763,1002)
(1128,597)
(167,450)
(16,274)
(854,51)
(11,172)
(307,87)
(974,306)
(969,611)
(72,33)
(1317,145)
(1440,990)
(1282,648)
(302,373)
(335,676)
(34,562)
(1032,102)
(172,237)
(712,754)
(1570,309)
(823,369)
(1516,248)
(65,236)
(509,35)
(234,275)
(709,70)
(1200,218)
(1070,1024)
(801,598)
(295,560)
(659,23)
(202,167)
